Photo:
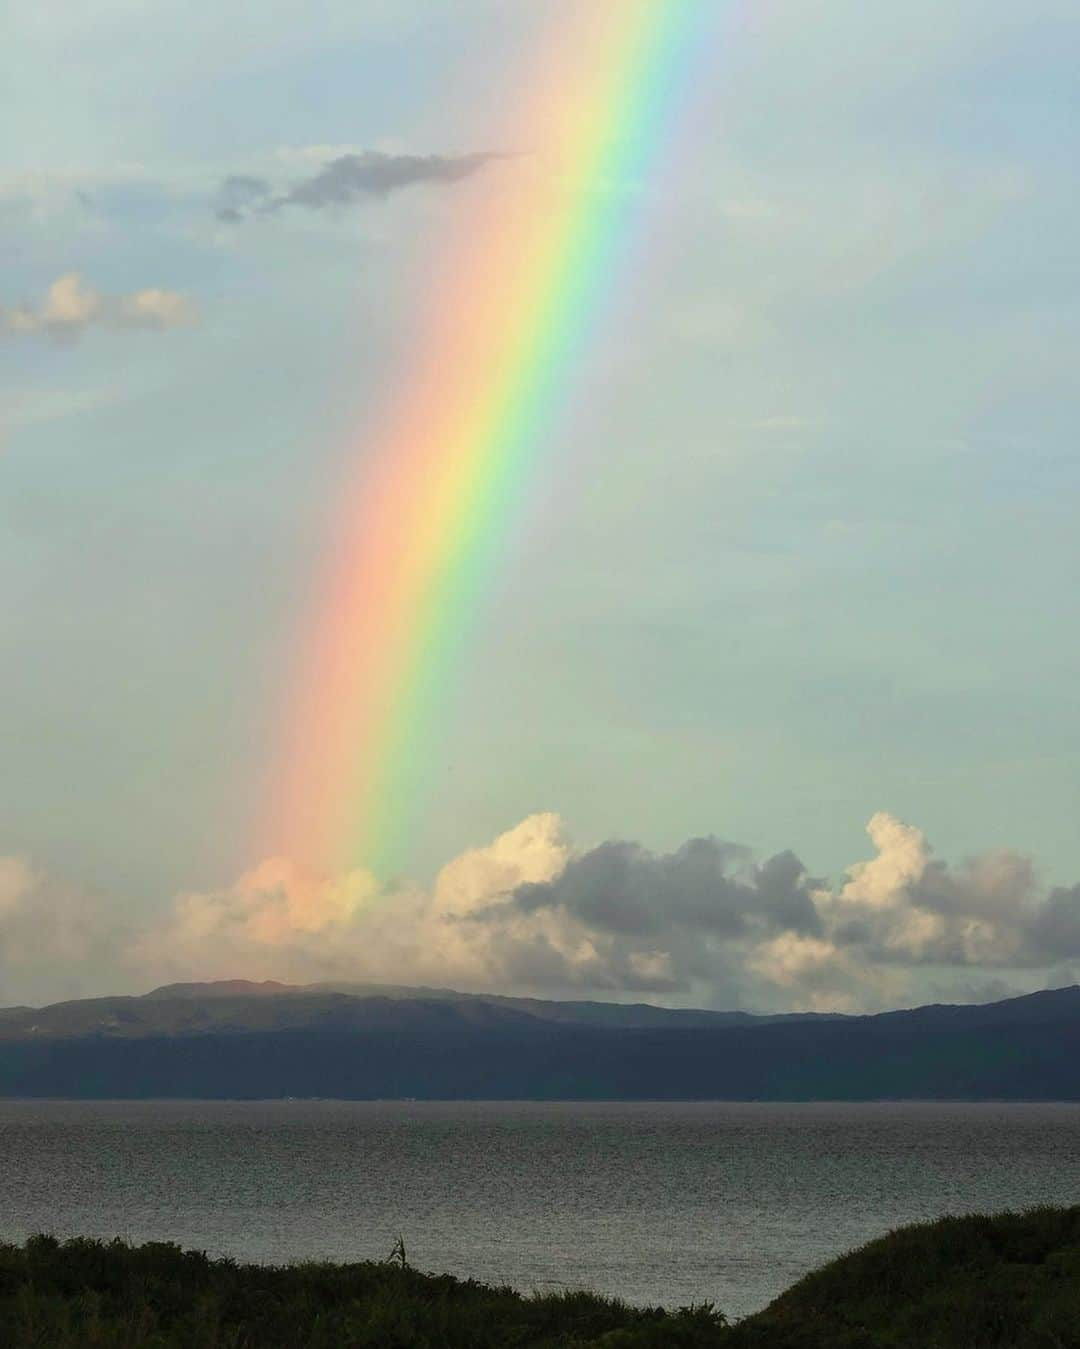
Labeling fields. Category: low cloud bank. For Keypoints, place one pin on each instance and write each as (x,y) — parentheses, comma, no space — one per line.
(54,943)
(707,924)
(71,306)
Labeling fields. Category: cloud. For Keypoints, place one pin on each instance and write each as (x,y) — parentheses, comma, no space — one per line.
(705,924)
(706,886)
(905,906)
(70,307)
(242,193)
(815,975)
(1055,930)
(282,920)
(17,879)
(345,179)
(53,943)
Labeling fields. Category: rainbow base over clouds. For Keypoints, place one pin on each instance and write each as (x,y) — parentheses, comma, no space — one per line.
(446,465)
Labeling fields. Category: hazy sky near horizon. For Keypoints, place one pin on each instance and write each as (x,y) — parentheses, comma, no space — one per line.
(803,549)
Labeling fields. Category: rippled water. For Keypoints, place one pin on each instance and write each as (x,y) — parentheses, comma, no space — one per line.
(656,1203)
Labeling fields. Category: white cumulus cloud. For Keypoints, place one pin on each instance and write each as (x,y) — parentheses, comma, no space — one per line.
(707,924)
(71,306)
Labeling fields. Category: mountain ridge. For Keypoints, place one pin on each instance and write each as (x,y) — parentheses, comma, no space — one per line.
(310,1043)
(236,1004)
(270,1001)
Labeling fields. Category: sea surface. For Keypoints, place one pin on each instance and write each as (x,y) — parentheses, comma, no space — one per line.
(657,1203)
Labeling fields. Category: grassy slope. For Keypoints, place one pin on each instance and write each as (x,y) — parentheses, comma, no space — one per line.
(962,1283)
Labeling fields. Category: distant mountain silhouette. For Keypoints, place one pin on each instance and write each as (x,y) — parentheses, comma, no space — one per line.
(263,1040)
(236,1005)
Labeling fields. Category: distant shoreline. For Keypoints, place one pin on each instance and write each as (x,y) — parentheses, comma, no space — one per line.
(541,1100)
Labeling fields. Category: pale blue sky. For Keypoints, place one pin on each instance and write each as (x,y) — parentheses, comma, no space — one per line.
(804,547)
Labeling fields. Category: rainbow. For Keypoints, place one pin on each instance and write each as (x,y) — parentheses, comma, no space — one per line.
(441,472)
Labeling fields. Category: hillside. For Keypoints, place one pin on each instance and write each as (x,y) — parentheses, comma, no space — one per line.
(1005,1282)
(238,1005)
(1011,1280)
(263,1041)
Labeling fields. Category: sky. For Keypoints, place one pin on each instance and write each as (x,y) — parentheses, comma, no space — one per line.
(773,701)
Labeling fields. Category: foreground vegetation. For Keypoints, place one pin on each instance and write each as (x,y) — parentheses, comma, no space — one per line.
(961,1283)
(86,1294)
(1011,1281)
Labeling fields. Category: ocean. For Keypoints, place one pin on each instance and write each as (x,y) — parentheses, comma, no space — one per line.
(656,1203)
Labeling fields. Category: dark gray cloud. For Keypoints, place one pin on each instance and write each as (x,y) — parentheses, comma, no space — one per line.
(347,179)
(707,916)
(241,194)
(1055,929)
(705,886)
